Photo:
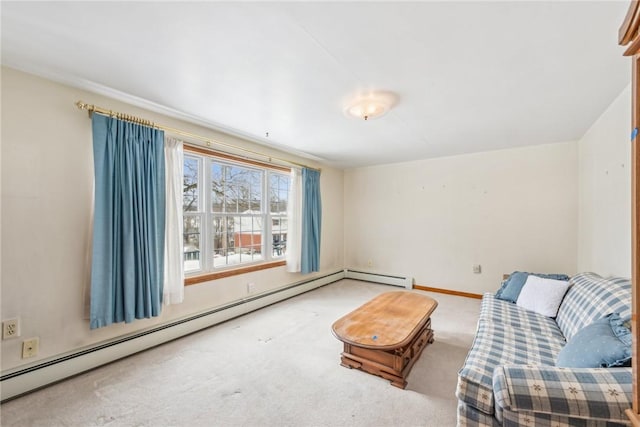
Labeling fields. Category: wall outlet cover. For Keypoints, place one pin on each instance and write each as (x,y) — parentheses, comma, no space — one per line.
(30,347)
(10,328)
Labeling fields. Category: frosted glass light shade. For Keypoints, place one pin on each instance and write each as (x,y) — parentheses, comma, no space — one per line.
(367,109)
(371,106)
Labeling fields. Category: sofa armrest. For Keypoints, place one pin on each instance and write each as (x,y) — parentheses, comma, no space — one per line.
(593,393)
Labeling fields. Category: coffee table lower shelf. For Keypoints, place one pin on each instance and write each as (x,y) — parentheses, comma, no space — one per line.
(393,365)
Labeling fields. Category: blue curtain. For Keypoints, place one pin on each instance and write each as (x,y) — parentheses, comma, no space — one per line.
(127,266)
(311,221)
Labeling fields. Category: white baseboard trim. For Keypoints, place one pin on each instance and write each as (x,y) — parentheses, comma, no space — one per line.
(24,380)
(386,279)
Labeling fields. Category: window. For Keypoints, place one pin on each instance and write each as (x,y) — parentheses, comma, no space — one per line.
(235,213)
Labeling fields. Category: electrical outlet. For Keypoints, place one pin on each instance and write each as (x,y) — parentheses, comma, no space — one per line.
(477,268)
(251,287)
(30,347)
(10,328)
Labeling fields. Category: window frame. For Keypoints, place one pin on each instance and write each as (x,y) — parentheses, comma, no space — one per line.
(208,271)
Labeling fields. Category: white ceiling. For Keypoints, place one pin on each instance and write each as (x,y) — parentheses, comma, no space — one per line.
(470,76)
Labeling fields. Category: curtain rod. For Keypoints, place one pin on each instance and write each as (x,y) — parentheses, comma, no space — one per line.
(92,108)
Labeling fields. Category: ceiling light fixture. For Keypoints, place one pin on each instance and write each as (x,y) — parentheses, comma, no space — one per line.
(370,106)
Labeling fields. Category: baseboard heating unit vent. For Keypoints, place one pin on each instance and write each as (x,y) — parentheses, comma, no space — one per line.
(22,380)
(385,279)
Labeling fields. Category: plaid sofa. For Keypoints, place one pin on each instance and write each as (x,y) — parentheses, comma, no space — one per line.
(509,377)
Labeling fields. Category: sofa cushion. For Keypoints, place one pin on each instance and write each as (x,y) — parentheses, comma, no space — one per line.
(494,310)
(495,345)
(592,297)
(542,296)
(511,287)
(603,344)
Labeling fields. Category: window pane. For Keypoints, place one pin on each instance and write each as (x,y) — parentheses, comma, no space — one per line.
(223,245)
(242,188)
(217,187)
(248,237)
(237,240)
(278,193)
(231,190)
(255,192)
(274,195)
(191,243)
(284,198)
(279,234)
(190,187)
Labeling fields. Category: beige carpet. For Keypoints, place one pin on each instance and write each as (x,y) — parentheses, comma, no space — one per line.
(278,366)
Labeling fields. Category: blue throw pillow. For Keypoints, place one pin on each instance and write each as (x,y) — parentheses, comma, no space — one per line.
(604,343)
(510,289)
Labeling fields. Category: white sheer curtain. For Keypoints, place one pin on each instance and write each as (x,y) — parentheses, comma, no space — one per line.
(294,216)
(173,263)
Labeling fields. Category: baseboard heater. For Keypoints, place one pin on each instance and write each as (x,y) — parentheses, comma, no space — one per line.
(386,279)
(24,380)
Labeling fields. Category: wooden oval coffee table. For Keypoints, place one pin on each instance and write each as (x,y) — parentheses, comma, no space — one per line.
(386,336)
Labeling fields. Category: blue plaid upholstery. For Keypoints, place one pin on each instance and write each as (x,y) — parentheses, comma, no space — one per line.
(541,395)
(509,376)
(496,345)
(520,419)
(469,416)
(592,297)
(494,310)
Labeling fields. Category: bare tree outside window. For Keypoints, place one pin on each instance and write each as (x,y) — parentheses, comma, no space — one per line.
(192,220)
(190,185)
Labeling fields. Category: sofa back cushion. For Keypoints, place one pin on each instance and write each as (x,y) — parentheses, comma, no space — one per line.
(592,297)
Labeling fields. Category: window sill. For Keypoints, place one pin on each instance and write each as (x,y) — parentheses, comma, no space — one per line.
(228,273)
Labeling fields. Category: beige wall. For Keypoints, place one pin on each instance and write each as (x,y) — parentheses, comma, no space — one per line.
(433,219)
(604,230)
(46,203)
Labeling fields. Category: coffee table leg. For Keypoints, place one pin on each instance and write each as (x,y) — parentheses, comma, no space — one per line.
(400,384)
